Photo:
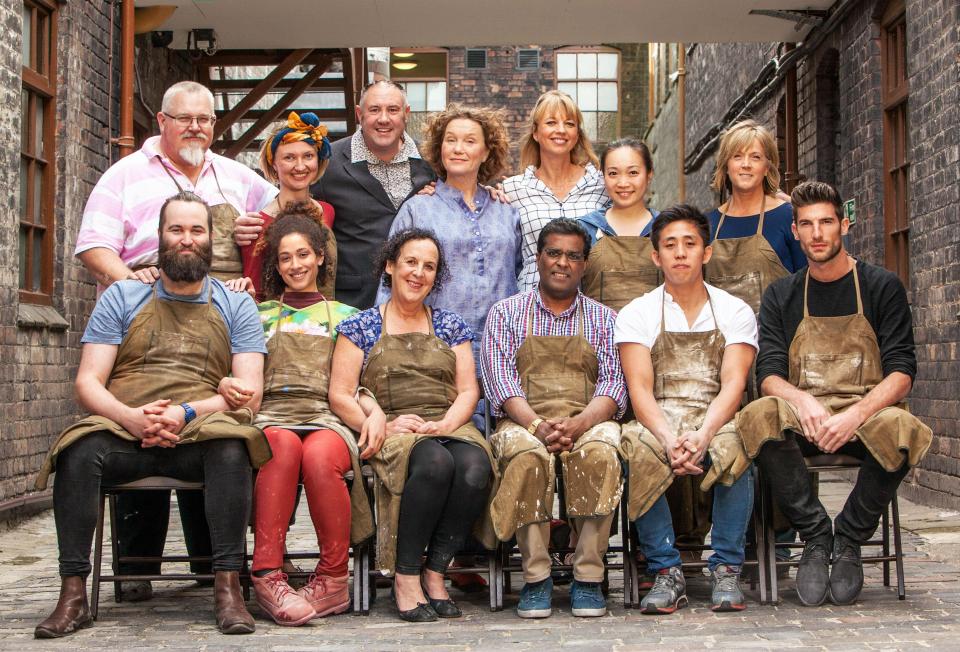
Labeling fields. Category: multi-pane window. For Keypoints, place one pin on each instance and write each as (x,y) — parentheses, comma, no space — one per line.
(423,73)
(591,78)
(37,99)
(896,141)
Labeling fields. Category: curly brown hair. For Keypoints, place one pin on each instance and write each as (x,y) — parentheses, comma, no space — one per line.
(304,218)
(495,139)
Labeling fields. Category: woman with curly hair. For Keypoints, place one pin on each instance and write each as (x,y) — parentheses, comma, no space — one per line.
(434,469)
(468,148)
(308,441)
(294,156)
(560,176)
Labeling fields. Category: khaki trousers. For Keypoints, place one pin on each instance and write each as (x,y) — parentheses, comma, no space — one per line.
(593,538)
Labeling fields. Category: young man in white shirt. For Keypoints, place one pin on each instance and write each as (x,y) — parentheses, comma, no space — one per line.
(686,349)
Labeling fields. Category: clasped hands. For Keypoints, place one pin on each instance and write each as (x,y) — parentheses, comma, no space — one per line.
(376,429)
(686,452)
(560,435)
(157,423)
(826,432)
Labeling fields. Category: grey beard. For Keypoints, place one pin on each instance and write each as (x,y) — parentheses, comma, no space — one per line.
(192,155)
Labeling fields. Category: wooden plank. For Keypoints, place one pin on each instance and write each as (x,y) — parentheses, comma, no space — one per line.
(272,114)
(254,96)
(323,114)
(260,57)
(254,145)
(248,84)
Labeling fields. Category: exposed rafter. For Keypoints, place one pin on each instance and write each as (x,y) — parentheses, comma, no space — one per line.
(799,17)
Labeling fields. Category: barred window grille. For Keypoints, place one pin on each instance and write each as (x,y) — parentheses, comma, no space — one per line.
(528,59)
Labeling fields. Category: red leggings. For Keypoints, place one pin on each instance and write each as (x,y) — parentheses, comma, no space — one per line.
(321,457)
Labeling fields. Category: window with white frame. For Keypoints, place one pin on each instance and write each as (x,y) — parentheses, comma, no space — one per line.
(592,78)
(423,74)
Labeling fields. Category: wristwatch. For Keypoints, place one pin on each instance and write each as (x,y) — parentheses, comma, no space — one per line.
(189,414)
(532,428)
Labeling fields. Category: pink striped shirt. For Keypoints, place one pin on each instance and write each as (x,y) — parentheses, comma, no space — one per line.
(123,211)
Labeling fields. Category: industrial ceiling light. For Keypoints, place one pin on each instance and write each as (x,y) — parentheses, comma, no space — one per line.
(403,55)
(404,65)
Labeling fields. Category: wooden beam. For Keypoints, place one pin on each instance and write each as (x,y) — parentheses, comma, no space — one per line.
(248,84)
(323,114)
(259,57)
(293,59)
(254,145)
(278,108)
(349,82)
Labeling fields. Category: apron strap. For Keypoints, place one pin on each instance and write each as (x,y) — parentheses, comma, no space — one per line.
(723,216)
(172,178)
(856,285)
(383,318)
(220,189)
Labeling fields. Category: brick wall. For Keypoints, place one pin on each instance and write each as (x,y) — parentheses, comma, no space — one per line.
(36,379)
(840,139)
(634,88)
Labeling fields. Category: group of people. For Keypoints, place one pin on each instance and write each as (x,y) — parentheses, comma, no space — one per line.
(393,282)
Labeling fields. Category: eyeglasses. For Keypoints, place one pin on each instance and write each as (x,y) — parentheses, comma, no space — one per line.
(187,120)
(572,256)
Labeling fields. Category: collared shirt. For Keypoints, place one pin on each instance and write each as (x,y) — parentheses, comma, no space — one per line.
(507,329)
(394,175)
(123,211)
(597,226)
(481,247)
(639,322)
(538,205)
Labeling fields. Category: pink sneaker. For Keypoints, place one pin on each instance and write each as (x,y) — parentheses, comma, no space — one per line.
(326,594)
(280,601)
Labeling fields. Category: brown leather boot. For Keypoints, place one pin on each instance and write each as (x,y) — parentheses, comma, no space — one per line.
(70,614)
(232,615)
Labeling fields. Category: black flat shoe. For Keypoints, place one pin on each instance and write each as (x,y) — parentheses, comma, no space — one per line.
(445,608)
(422,613)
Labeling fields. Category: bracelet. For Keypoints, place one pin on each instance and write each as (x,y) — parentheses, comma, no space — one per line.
(532,428)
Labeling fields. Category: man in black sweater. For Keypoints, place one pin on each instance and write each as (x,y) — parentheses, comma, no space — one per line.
(836,361)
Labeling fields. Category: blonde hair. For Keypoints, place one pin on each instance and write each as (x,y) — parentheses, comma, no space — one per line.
(556,103)
(268,170)
(494,139)
(738,138)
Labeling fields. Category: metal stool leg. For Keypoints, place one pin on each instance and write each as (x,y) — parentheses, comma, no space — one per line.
(97,560)
(898,548)
(115,547)
(885,524)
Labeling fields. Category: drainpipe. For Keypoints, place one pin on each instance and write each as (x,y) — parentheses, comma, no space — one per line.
(792,135)
(682,119)
(125,139)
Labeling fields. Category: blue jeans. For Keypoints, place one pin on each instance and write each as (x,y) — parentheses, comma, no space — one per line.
(732,507)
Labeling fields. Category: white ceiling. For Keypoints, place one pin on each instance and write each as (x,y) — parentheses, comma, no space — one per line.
(283,24)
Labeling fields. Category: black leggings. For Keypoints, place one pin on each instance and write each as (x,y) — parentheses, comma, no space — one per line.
(222,465)
(446,491)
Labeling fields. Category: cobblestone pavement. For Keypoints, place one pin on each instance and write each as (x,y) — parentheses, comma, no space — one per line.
(180,616)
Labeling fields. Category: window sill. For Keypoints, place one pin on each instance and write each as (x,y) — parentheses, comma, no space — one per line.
(33,316)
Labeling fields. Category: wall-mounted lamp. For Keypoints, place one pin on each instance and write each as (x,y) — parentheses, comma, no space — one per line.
(403,55)
(404,65)
(200,42)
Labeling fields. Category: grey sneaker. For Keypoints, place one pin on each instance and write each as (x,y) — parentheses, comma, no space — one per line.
(668,594)
(726,595)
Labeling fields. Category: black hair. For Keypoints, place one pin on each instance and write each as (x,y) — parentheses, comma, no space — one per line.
(391,251)
(301,217)
(815,192)
(680,213)
(635,144)
(190,197)
(563,226)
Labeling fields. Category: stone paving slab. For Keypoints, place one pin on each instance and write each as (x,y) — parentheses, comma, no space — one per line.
(180,617)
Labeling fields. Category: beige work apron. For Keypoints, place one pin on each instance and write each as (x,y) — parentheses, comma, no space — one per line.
(686,367)
(296,380)
(745,266)
(559,376)
(178,351)
(226,263)
(620,269)
(837,360)
(412,373)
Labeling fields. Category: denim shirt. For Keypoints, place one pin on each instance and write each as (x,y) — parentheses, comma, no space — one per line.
(481,247)
(596,225)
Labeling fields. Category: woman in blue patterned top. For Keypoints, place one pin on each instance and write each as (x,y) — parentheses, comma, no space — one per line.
(433,468)
(468,148)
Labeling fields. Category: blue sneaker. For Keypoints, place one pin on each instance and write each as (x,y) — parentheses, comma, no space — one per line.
(587,599)
(535,599)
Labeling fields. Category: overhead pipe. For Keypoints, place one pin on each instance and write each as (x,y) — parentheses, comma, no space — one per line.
(682,119)
(124,140)
(791,178)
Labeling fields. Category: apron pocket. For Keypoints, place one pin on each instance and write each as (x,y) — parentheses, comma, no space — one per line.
(177,353)
(292,382)
(411,391)
(553,388)
(832,373)
(686,384)
(746,287)
(626,285)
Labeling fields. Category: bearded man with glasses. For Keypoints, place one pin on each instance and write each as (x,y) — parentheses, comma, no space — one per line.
(552,372)
(118,240)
